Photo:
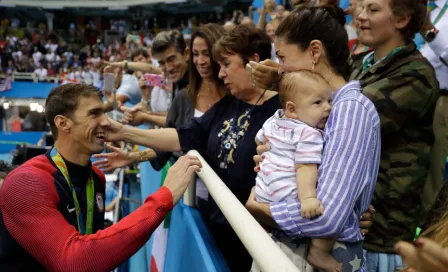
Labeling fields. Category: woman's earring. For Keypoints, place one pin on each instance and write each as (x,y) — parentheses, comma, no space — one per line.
(314,64)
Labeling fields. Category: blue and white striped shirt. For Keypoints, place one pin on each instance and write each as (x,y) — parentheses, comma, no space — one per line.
(347,175)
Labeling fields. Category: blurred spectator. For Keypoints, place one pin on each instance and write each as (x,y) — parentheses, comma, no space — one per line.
(41,73)
(15,122)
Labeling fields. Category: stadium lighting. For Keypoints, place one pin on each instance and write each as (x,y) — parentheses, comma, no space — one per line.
(6,105)
(40,108)
(33,106)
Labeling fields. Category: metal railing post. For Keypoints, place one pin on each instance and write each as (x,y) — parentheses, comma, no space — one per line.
(264,251)
(190,193)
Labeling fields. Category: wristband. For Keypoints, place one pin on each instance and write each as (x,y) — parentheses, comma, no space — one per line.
(125,65)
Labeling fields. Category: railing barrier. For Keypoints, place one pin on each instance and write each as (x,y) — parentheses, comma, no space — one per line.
(268,256)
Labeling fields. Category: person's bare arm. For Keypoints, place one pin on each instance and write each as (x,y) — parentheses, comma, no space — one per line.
(154,119)
(306,179)
(137,66)
(262,19)
(110,103)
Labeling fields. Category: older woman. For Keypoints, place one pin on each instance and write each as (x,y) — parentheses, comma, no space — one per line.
(225,134)
(346,177)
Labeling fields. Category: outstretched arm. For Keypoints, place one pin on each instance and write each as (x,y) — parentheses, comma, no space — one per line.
(164,139)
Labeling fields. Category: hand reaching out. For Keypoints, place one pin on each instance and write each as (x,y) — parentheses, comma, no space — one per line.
(134,116)
(423,256)
(110,161)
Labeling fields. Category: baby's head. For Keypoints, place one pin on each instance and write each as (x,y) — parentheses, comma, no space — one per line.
(306,96)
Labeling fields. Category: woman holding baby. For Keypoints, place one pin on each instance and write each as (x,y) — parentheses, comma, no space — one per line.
(350,160)
(403,87)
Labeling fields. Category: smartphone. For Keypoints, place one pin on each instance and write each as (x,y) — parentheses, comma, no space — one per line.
(155,80)
(109,82)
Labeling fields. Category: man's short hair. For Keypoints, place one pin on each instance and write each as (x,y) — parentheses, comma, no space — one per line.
(166,39)
(139,51)
(64,100)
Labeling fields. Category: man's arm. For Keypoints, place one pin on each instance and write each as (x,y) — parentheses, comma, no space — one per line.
(340,181)
(29,207)
(29,202)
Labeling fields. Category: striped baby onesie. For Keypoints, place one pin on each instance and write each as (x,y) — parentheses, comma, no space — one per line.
(292,142)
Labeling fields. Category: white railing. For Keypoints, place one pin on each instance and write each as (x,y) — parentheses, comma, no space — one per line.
(32,77)
(260,246)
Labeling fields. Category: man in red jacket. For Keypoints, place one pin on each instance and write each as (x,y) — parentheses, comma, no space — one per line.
(52,207)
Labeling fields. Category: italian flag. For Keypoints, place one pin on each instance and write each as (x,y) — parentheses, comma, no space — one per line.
(160,236)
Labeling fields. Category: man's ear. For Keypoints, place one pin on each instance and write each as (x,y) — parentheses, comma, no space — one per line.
(63,123)
(255,58)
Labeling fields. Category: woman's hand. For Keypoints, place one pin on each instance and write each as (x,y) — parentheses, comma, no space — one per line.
(423,256)
(110,161)
(111,66)
(259,157)
(134,116)
(114,132)
(367,220)
(264,74)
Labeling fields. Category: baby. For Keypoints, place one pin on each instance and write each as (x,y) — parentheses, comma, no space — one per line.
(289,169)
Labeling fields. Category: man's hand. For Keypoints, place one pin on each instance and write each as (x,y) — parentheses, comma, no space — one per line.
(115,132)
(264,74)
(311,207)
(423,256)
(180,175)
(133,116)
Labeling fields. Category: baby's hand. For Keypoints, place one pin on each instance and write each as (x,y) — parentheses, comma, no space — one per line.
(311,207)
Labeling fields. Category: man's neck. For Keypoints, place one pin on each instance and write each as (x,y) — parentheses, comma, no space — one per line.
(70,152)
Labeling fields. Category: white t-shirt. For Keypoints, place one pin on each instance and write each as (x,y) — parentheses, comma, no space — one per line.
(37,56)
(41,73)
(159,99)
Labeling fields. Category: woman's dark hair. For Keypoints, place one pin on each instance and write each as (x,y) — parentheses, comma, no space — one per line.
(414,8)
(325,24)
(211,33)
(244,41)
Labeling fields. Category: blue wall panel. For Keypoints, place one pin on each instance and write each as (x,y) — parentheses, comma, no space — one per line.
(190,245)
(29,90)
(9,140)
